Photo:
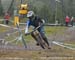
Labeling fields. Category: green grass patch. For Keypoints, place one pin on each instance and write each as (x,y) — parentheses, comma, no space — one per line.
(53,29)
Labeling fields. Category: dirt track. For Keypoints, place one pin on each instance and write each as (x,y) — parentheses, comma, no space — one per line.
(36,53)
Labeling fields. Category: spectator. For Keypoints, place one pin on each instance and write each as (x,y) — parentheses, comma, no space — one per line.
(67,20)
(7,17)
(72,20)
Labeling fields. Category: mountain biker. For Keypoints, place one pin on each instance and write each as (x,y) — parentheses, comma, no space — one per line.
(36,21)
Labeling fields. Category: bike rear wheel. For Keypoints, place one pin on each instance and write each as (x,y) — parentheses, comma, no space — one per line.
(40,40)
(43,42)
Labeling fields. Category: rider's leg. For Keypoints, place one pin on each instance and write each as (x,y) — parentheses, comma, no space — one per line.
(42,33)
(44,38)
(33,35)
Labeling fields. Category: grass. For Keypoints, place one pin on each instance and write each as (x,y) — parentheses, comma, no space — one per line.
(70,45)
(3,29)
(16,35)
(48,29)
(53,29)
(56,53)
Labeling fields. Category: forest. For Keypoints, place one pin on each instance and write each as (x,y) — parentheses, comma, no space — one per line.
(50,10)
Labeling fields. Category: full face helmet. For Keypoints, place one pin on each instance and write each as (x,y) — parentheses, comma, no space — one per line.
(30,14)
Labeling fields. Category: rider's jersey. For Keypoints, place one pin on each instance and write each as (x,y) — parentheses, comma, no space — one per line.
(35,23)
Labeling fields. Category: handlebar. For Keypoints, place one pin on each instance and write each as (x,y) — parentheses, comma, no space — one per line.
(33,30)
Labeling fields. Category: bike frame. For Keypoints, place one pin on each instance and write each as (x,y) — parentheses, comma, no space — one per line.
(42,43)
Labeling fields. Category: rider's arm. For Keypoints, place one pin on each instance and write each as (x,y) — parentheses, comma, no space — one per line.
(42,22)
(27,26)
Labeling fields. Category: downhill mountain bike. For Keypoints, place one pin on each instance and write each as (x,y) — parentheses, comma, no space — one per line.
(39,38)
